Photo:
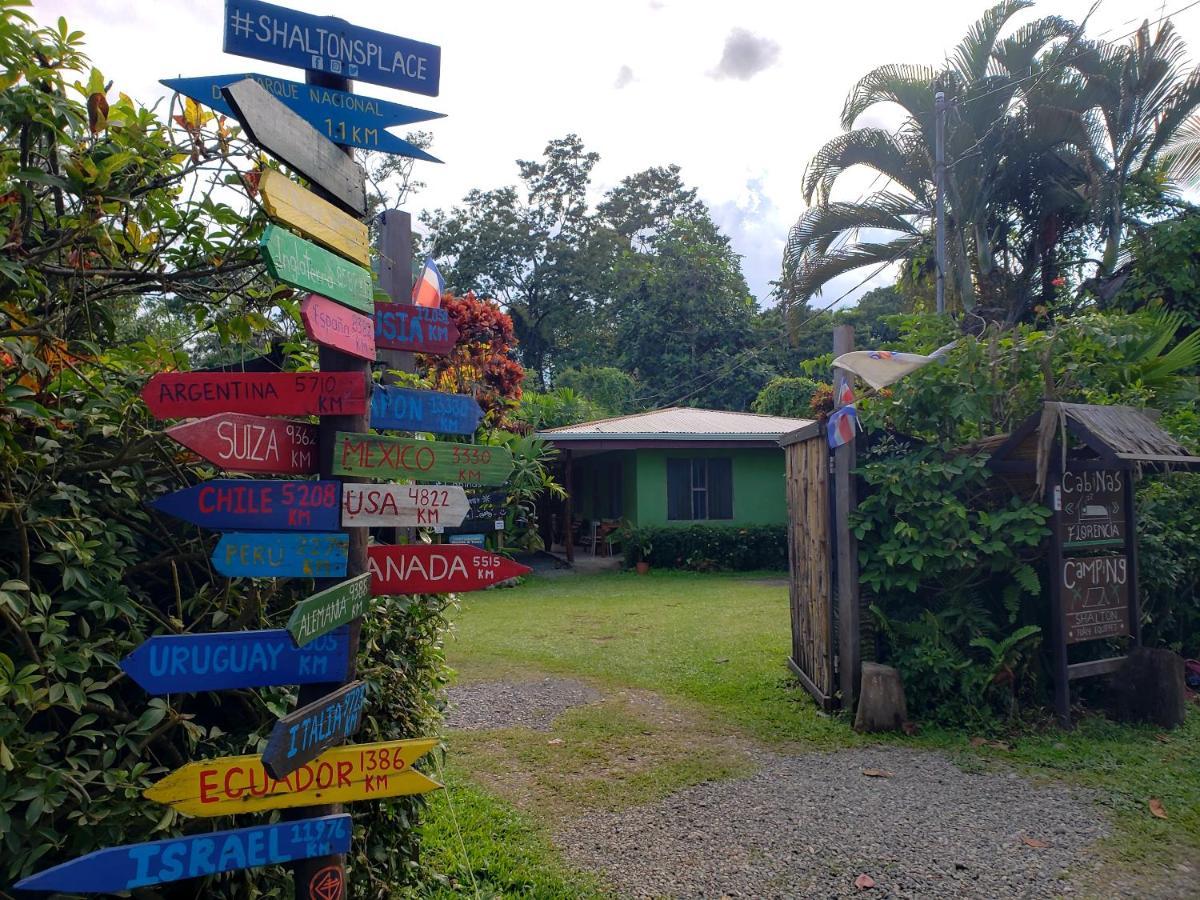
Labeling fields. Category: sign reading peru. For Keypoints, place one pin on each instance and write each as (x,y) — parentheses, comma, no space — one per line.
(377,456)
(240,503)
(186,395)
(241,443)
(437,569)
(273,554)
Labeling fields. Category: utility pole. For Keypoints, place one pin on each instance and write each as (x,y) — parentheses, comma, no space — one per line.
(939,178)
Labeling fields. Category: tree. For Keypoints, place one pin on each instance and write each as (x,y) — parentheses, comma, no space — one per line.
(785,396)
(606,386)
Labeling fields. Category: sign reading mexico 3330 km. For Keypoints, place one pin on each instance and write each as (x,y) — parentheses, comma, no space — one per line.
(1095,593)
(377,456)
(118,869)
(241,443)
(277,34)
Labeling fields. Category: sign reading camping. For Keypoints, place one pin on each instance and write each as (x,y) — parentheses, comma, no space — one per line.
(1095,597)
(1093,509)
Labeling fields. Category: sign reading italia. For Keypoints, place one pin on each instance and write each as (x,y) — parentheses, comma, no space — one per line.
(241,443)
(186,395)
(301,736)
(326,44)
(243,504)
(418,329)
(378,456)
(332,325)
(326,610)
(402,505)
(239,784)
(404,409)
(119,869)
(436,569)
(266,554)
(308,267)
(225,660)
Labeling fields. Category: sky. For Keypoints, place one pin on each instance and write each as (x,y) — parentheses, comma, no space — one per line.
(740,95)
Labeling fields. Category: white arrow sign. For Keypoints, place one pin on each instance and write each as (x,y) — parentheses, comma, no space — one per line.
(403,505)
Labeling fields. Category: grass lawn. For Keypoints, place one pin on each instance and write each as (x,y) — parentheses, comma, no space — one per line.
(693,671)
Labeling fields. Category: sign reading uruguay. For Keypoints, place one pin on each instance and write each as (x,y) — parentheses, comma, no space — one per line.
(327,44)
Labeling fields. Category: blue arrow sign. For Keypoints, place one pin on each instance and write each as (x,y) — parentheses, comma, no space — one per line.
(252,505)
(402,409)
(342,117)
(225,660)
(303,735)
(327,44)
(116,869)
(269,554)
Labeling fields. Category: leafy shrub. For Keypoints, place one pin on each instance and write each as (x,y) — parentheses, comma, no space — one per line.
(786,397)
(1168,561)
(710,547)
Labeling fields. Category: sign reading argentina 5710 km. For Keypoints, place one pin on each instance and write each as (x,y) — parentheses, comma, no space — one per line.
(376,456)
(186,395)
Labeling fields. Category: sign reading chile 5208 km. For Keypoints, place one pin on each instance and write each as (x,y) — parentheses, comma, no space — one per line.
(376,456)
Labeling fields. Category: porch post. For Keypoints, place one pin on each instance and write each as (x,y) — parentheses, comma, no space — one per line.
(569,485)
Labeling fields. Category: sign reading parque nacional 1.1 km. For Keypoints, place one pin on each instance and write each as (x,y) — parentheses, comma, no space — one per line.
(180,395)
(240,443)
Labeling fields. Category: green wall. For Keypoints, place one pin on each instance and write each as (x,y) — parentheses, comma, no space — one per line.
(759,492)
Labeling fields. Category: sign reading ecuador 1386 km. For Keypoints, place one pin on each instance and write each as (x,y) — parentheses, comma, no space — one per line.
(241,443)
(377,456)
(436,569)
(186,395)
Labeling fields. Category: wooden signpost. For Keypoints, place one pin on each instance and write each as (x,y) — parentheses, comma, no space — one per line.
(226,660)
(1095,591)
(287,202)
(417,329)
(266,554)
(403,505)
(404,409)
(301,736)
(437,569)
(288,137)
(246,505)
(330,608)
(239,784)
(377,456)
(306,266)
(119,869)
(180,395)
(241,443)
(333,325)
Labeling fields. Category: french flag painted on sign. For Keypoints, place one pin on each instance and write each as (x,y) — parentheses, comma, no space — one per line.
(428,289)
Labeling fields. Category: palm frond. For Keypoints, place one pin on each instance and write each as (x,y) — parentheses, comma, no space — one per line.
(1018,53)
(807,275)
(1182,153)
(971,57)
(893,156)
(821,225)
(910,86)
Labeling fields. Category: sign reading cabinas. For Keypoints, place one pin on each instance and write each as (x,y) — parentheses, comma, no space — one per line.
(1093,508)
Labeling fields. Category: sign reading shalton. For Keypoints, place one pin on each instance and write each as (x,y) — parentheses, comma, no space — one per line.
(241,443)
(378,456)
(256,505)
(1095,594)
(265,554)
(186,395)
(437,569)
(417,329)
(1093,509)
(405,409)
(301,736)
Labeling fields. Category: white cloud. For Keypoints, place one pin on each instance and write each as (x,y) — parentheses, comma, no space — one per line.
(624,77)
(745,56)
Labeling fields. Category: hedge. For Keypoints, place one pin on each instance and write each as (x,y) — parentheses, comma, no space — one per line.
(710,547)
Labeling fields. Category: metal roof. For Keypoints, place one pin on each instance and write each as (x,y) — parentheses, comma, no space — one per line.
(679,424)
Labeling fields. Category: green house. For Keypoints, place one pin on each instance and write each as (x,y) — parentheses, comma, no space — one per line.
(675,466)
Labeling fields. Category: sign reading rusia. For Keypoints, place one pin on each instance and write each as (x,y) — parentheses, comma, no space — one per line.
(326,44)
(402,505)
(301,736)
(326,610)
(1095,597)
(241,443)
(332,325)
(225,660)
(246,505)
(1093,509)
(186,395)
(119,869)
(378,456)
(436,569)
(239,784)
(404,409)
(287,202)
(306,266)
(267,554)
(418,329)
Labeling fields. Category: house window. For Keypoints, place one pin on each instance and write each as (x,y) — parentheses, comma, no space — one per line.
(607,492)
(699,489)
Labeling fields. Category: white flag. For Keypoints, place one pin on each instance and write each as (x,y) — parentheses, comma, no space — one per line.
(879,368)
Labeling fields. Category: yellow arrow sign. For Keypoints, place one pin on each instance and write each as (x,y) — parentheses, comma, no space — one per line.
(239,784)
(317,220)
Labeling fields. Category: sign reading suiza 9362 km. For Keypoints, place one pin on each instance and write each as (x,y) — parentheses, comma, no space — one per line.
(242,443)
(377,456)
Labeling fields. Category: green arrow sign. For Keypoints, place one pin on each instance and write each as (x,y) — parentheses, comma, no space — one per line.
(310,268)
(376,456)
(323,612)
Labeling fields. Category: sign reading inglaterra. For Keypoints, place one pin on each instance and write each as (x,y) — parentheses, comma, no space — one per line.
(1093,508)
(242,504)
(308,267)
(186,395)
(378,456)
(242,443)
(418,329)
(436,569)
(267,554)
(402,505)
(326,610)
(1095,593)
(302,736)
(405,409)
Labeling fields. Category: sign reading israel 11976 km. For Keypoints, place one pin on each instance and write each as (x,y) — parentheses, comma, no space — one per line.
(377,456)
(436,569)
(241,443)
(186,395)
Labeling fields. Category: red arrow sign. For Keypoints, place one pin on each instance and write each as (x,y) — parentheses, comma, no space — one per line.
(179,395)
(333,325)
(436,569)
(239,443)
(420,329)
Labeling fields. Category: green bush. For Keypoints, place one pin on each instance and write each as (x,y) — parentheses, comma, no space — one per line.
(710,547)
(786,397)
(1169,561)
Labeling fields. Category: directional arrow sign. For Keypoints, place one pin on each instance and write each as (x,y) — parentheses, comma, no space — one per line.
(239,784)
(185,395)
(225,660)
(326,44)
(402,505)
(332,325)
(266,554)
(241,443)
(377,456)
(302,736)
(295,261)
(287,202)
(325,611)
(418,329)
(243,504)
(403,409)
(119,869)
(288,137)
(436,569)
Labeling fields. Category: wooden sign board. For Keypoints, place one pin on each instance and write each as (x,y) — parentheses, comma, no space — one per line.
(404,409)
(287,202)
(327,44)
(1095,592)
(436,569)
(306,266)
(267,554)
(402,505)
(330,608)
(241,443)
(287,137)
(417,329)
(239,784)
(333,325)
(1092,509)
(221,661)
(377,456)
(186,395)
(303,735)
(119,869)
(487,511)
(242,504)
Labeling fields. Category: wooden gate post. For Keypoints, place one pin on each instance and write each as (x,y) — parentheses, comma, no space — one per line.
(844,502)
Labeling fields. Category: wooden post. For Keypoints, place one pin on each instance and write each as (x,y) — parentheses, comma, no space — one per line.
(1131,548)
(845,500)
(568,479)
(1058,631)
